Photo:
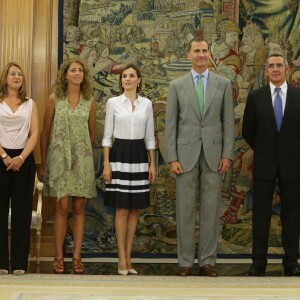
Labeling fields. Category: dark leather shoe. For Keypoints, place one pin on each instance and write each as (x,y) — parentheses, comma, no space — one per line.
(295,271)
(208,270)
(255,271)
(185,271)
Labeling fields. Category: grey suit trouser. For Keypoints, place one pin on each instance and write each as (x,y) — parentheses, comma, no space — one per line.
(187,198)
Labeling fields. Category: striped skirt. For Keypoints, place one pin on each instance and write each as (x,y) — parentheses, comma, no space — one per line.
(129,187)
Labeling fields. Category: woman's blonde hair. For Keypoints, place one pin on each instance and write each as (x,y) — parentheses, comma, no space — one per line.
(3,82)
(61,84)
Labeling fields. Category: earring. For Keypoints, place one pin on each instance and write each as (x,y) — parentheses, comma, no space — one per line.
(66,80)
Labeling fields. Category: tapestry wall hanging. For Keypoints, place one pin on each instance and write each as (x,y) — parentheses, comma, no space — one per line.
(153,34)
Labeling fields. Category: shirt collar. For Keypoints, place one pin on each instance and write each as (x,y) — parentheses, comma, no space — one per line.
(195,74)
(137,101)
(283,87)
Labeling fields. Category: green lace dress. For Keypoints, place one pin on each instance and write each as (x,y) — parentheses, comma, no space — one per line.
(69,162)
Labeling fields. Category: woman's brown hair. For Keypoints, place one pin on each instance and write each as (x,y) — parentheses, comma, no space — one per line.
(61,85)
(3,82)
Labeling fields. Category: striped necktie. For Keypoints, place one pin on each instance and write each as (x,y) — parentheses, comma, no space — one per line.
(200,94)
(278,108)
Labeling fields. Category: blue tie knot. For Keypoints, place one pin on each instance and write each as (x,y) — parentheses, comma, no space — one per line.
(277,90)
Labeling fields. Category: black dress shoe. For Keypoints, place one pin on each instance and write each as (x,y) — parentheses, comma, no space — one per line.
(294,271)
(255,271)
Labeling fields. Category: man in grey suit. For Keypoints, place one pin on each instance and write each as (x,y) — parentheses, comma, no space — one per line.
(200,142)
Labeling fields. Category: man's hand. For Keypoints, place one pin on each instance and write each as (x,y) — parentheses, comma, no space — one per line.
(175,167)
(224,165)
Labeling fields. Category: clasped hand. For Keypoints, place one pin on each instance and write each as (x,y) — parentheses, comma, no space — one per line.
(14,163)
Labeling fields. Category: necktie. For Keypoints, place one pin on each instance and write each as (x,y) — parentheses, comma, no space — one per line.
(200,94)
(278,108)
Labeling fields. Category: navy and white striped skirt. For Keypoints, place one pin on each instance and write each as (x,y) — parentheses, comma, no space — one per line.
(129,187)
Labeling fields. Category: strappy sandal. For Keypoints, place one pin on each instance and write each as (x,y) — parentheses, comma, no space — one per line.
(229,218)
(78,266)
(58,266)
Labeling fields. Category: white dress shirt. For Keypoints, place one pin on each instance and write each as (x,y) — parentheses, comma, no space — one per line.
(283,94)
(124,123)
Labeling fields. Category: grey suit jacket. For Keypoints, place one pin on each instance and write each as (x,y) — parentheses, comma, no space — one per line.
(186,131)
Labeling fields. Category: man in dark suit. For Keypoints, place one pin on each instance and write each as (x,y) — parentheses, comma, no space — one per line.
(271,126)
(199,143)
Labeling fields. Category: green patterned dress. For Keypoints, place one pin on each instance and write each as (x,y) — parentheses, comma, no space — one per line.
(69,163)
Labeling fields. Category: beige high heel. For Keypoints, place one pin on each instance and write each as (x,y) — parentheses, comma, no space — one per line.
(19,272)
(3,272)
(132,271)
(123,272)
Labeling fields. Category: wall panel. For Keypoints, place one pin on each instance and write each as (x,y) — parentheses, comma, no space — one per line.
(16,29)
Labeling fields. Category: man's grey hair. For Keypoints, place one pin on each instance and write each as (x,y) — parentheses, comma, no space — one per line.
(277,55)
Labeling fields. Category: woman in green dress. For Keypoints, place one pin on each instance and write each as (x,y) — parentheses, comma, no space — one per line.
(66,151)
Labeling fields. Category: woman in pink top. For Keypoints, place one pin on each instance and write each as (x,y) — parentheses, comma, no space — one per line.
(18,137)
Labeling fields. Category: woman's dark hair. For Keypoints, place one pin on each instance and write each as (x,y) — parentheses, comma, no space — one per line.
(139,75)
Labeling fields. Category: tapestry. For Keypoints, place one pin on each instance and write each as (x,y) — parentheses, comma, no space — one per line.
(153,34)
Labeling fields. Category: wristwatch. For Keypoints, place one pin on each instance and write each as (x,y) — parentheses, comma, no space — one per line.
(3,155)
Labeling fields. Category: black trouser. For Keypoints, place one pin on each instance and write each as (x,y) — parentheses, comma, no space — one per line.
(16,187)
(290,220)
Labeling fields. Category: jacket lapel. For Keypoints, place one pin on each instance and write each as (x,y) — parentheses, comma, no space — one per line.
(288,106)
(211,88)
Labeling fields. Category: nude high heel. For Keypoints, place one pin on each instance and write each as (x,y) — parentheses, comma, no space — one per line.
(132,272)
(123,272)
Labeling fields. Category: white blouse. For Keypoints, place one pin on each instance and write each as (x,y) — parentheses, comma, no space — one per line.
(15,126)
(123,123)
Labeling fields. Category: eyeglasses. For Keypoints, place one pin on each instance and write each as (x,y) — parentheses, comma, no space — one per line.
(278,66)
(14,74)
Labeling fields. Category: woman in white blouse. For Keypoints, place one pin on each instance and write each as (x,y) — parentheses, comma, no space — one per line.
(127,172)
(18,137)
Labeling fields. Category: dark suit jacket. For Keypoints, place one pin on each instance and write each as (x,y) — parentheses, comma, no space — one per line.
(275,153)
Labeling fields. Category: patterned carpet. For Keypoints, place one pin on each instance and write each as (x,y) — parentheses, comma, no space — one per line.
(149,285)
